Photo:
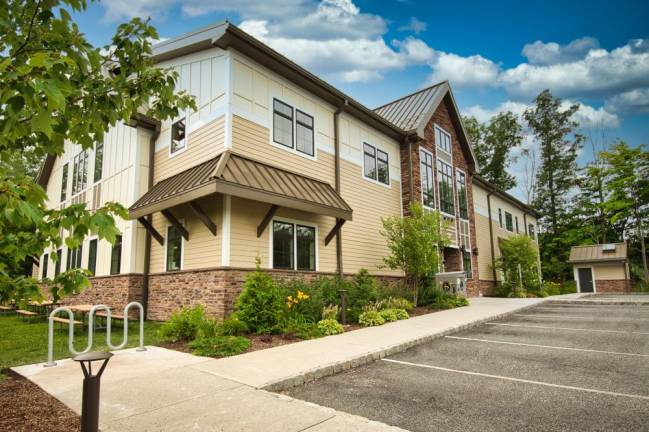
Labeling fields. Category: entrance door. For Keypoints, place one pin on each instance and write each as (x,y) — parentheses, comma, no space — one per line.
(585,279)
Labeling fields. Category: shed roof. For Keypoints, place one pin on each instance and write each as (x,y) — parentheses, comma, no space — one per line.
(597,253)
(233,174)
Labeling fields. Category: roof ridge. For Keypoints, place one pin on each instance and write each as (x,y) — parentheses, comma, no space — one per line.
(410,95)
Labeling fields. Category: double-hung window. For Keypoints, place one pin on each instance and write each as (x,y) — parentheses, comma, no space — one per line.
(116,256)
(64,182)
(174,249)
(178,135)
(462,196)
(516,223)
(44,263)
(282,123)
(74,258)
(99,161)
(426,172)
(57,265)
(304,138)
(509,223)
(294,246)
(92,256)
(443,140)
(80,173)
(466,262)
(376,164)
(445,187)
(500,218)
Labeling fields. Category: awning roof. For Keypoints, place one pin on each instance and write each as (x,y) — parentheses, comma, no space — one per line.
(232,174)
(598,253)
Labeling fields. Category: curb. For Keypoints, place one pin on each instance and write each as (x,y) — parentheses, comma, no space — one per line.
(332,369)
(602,302)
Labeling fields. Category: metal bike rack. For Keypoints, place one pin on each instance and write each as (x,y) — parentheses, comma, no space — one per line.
(91,330)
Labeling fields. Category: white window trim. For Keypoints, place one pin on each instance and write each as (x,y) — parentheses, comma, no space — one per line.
(450,139)
(182,248)
(512,215)
(434,168)
(376,150)
(292,150)
(576,275)
(171,126)
(294,222)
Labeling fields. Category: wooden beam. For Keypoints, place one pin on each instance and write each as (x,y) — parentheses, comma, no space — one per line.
(171,218)
(266,220)
(155,234)
(200,214)
(334,230)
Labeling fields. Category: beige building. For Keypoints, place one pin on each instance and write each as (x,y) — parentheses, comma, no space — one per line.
(275,166)
(601,268)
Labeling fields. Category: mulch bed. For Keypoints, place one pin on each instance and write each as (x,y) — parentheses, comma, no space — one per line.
(26,407)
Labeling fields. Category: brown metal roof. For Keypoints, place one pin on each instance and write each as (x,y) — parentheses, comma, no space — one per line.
(409,111)
(232,174)
(596,253)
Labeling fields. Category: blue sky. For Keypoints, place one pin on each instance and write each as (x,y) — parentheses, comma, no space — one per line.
(497,55)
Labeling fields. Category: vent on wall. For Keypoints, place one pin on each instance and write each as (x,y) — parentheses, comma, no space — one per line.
(608,248)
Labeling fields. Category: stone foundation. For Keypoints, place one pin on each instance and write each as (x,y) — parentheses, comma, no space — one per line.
(476,288)
(114,291)
(606,286)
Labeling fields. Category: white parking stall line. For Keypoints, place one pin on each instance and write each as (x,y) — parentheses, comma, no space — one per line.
(520,380)
(598,318)
(547,346)
(568,328)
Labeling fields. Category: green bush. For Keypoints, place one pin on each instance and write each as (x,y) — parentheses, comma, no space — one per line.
(401,314)
(302,329)
(183,325)
(371,318)
(208,328)
(261,304)
(398,303)
(303,299)
(430,294)
(361,291)
(448,301)
(330,327)
(389,315)
(542,294)
(219,346)
(568,287)
(517,294)
(518,262)
(394,289)
(551,288)
(330,312)
(233,326)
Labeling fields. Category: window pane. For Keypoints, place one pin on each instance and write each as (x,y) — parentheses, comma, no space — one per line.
(466,259)
(516,220)
(57,266)
(305,248)
(305,119)
(75,174)
(509,224)
(99,161)
(283,245)
(445,182)
(92,256)
(383,168)
(282,130)
(304,139)
(462,195)
(427,179)
(369,158)
(369,149)
(178,136)
(174,249)
(116,256)
(64,182)
(44,263)
(283,108)
(443,140)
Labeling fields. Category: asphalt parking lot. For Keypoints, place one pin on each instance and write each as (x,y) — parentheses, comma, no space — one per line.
(554,367)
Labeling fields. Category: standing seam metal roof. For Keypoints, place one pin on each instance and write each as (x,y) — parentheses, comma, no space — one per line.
(595,253)
(408,111)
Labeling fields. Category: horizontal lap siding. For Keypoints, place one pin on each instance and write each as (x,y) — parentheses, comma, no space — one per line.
(485,269)
(609,271)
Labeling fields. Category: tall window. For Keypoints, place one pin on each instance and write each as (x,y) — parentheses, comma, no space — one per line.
(376,164)
(174,249)
(304,133)
(465,246)
(44,263)
(74,258)
(443,140)
(99,161)
(80,173)
(427,178)
(445,187)
(92,256)
(509,223)
(500,218)
(57,265)
(178,135)
(531,231)
(462,196)
(116,256)
(293,246)
(516,223)
(64,182)
(466,261)
(282,123)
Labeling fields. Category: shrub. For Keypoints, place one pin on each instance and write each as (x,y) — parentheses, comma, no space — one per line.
(519,263)
(261,303)
(569,287)
(208,328)
(401,314)
(330,327)
(389,315)
(219,346)
(233,327)
(370,318)
(183,324)
(398,303)
(361,291)
(430,294)
(517,294)
(542,293)
(330,312)
(394,289)
(551,288)
(448,301)
(302,329)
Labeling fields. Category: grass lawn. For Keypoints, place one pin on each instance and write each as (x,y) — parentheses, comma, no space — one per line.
(25,343)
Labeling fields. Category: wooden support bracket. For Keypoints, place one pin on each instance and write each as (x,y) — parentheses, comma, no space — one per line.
(155,234)
(200,214)
(266,220)
(176,223)
(334,231)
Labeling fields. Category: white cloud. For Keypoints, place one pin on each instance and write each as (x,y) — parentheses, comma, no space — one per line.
(634,101)
(414,25)
(541,53)
(473,71)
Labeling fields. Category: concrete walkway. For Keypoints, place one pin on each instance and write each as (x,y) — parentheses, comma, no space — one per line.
(167,390)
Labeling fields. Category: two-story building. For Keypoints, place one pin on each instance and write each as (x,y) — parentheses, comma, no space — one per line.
(275,166)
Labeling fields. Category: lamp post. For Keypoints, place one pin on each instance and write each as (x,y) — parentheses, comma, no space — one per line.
(90,401)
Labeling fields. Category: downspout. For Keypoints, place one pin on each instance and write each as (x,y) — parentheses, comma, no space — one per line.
(339,241)
(147,238)
(411,186)
(491,238)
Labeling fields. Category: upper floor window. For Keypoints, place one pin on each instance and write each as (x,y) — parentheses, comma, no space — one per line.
(376,164)
(57,264)
(174,249)
(74,258)
(304,137)
(462,196)
(44,263)
(442,139)
(294,246)
(178,137)
(500,218)
(116,256)
(64,182)
(531,231)
(466,264)
(99,161)
(80,173)
(427,178)
(445,187)
(516,223)
(92,256)
(509,223)
(282,123)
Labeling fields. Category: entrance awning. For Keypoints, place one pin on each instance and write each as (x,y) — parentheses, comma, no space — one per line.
(232,174)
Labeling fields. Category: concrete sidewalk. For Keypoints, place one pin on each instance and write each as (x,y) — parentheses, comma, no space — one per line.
(168,390)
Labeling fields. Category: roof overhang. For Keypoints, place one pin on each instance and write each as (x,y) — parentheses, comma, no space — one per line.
(504,195)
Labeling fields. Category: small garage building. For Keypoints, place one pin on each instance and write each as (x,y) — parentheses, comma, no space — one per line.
(601,267)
